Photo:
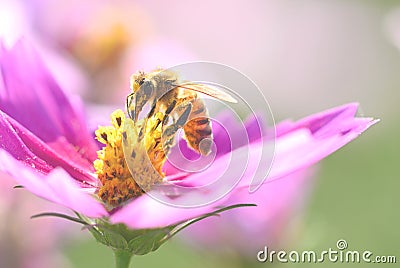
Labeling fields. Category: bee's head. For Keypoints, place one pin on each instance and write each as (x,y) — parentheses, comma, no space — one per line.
(139,81)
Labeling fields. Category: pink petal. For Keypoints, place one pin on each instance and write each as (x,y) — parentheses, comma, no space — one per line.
(228,134)
(301,149)
(303,144)
(25,146)
(146,212)
(300,146)
(30,95)
(57,186)
(320,120)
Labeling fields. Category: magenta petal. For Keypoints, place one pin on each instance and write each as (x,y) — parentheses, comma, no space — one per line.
(240,133)
(31,96)
(255,126)
(145,212)
(229,134)
(319,121)
(300,149)
(302,144)
(25,146)
(57,186)
(12,143)
(297,149)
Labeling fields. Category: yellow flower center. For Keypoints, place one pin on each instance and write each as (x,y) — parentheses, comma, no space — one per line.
(132,158)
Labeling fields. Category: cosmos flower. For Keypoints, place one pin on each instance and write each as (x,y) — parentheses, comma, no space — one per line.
(47,148)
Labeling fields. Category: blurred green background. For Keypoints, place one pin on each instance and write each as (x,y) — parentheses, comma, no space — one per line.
(306,56)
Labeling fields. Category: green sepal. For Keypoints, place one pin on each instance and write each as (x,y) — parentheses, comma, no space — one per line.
(144,241)
(134,241)
(115,240)
(150,240)
(99,236)
(113,236)
(137,242)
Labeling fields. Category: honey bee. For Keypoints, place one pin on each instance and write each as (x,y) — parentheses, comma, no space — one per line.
(170,97)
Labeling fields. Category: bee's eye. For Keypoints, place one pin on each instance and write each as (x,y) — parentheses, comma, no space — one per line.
(146,86)
(141,81)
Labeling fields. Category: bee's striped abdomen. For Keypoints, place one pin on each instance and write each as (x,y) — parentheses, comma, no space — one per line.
(198,128)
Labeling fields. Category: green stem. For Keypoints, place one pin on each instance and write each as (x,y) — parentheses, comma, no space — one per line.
(122,258)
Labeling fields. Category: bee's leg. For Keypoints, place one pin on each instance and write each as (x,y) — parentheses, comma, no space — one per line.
(153,109)
(170,131)
(170,107)
(129,100)
(140,98)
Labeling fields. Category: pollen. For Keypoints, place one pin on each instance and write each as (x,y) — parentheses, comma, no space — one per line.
(124,167)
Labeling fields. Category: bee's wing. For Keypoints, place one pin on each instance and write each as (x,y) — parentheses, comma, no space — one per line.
(210,91)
